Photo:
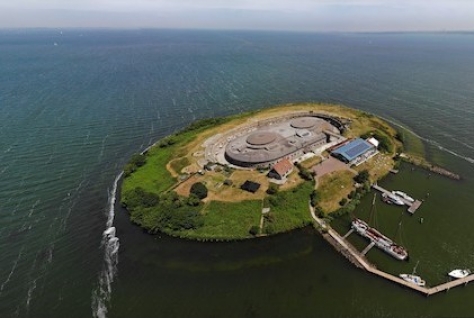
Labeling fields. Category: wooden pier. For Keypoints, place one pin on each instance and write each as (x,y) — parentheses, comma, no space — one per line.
(359,259)
(348,233)
(412,206)
(366,249)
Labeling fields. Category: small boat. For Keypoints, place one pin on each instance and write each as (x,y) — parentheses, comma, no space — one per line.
(403,195)
(459,273)
(414,279)
(392,199)
(110,232)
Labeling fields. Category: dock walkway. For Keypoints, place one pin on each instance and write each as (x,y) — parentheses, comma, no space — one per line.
(412,206)
(361,261)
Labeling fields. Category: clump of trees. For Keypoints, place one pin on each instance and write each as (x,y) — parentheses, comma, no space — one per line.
(314,198)
(167,211)
(362,177)
(167,141)
(135,162)
(305,173)
(385,144)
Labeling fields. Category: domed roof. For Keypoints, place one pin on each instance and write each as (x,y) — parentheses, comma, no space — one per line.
(304,122)
(261,138)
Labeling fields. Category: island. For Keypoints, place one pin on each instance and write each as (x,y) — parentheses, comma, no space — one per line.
(257,173)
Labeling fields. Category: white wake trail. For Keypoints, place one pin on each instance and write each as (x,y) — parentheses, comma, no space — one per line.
(110,243)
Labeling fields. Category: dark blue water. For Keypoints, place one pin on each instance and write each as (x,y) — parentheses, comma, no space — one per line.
(75,105)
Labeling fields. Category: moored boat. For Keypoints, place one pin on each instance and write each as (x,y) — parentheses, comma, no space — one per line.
(360,226)
(380,240)
(459,273)
(392,199)
(414,279)
(403,195)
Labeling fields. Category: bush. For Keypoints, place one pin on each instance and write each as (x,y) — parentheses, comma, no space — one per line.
(343,202)
(199,189)
(141,198)
(362,177)
(179,219)
(314,198)
(138,160)
(254,230)
(272,189)
(135,162)
(193,200)
(399,137)
(385,145)
(168,141)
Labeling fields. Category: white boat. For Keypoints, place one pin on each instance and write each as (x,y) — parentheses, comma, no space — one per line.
(414,279)
(403,195)
(360,226)
(459,273)
(392,199)
(110,232)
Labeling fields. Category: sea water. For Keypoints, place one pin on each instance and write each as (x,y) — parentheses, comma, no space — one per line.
(76,104)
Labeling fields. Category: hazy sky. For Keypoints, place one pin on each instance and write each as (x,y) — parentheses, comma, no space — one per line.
(304,15)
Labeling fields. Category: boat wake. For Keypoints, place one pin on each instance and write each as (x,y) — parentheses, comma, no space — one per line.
(110,243)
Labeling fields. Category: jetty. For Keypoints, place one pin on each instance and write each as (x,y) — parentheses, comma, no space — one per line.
(412,206)
(359,260)
(430,167)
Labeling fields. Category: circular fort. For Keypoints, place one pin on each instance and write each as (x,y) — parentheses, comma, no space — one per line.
(265,142)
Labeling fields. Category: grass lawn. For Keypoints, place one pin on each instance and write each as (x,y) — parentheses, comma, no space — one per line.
(332,188)
(378,166)
(224,220)
(153,176)
(289,209)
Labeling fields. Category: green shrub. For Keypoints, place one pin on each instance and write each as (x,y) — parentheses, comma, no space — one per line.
(141,198)
(199,189)
(362,177)
(314,197)
(254,230)
(179,220)
(272,189)
(193,200)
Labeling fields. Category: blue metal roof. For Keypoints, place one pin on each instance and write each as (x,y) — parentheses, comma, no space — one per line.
(353,149)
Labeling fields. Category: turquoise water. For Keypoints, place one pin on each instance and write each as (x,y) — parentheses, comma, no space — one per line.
(73,113)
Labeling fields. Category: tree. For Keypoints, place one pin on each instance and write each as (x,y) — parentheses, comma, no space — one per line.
(343,202)
(193,200)
(199,189)
(314,198)
(362,177)
(138,160)
(138,197)
(272,189)
(254,230)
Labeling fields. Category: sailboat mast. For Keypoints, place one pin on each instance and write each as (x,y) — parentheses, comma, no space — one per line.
(372,215)
(414,268)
